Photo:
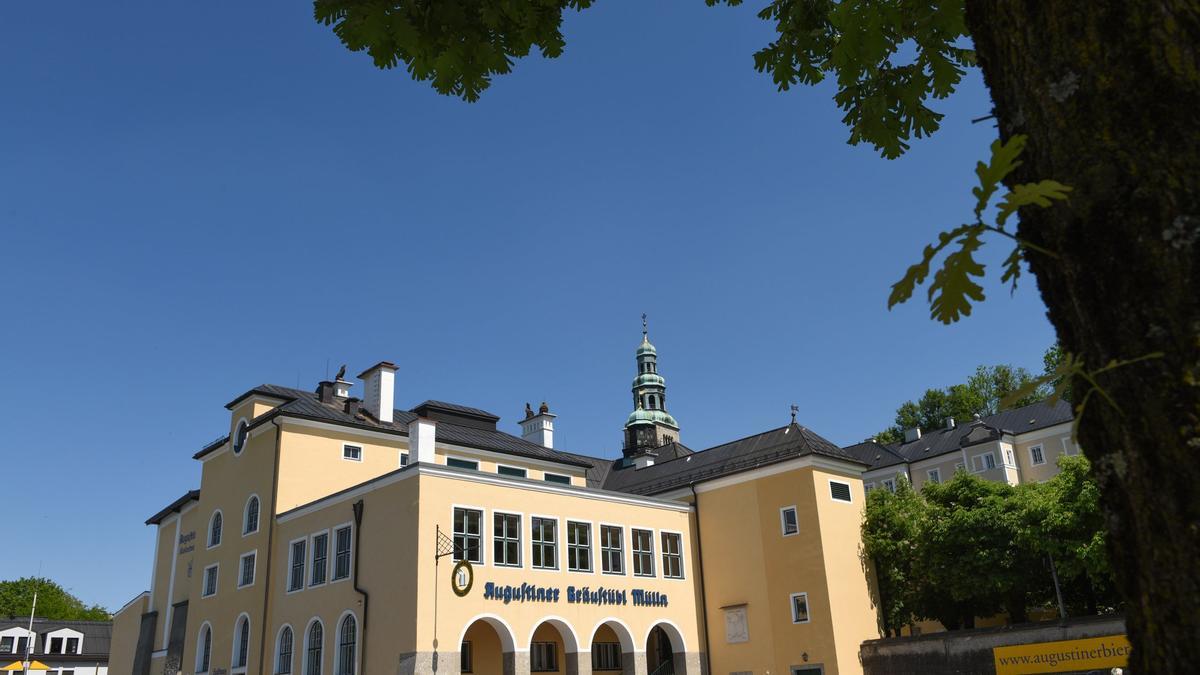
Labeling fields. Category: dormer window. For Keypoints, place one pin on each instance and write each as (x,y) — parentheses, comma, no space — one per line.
(239,437)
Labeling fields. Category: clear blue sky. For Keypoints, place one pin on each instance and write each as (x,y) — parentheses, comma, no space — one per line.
(199,197)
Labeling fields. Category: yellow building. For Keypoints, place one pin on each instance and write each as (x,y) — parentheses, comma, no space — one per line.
(333,535)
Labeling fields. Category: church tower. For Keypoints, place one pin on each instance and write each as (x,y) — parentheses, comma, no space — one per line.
(649,425)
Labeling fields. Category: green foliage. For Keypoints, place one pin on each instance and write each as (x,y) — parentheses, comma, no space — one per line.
(955,286)
(458,45)
(969,547)
(53,601)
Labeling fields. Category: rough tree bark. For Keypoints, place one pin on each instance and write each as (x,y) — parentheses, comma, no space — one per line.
(1108,92)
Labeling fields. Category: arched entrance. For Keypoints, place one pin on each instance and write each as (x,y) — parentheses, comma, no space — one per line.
(487,647)
(666,653)
(612,649)
(554,648)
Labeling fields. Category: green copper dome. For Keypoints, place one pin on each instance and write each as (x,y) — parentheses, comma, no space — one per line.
(649,379)
(651,416)
(646,348)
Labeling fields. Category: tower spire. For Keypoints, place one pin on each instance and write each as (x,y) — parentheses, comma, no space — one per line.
(649,425)
(645,331)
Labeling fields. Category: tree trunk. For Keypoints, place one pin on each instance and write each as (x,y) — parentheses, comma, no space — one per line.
(1108,92)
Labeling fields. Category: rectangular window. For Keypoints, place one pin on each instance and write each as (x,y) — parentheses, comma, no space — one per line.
(557,478)
(789,522)
(672,555)
(612,549)
(1008,457)
(579,547)
(643,552)
(935,475)
(6,645)
(404,459)
(515,471)
(468,535)
(799,607)
(867,487)
(889,484)
(543,657)
(352,453)
(21,644)
(1036,455)
(840,492)
(462,463)
(55,646)
(606,656)
(545,543)
(210,581)
(341,561)
(72,645)
(506,539)
(984,462)
(464,659)
(247,576)
(296,578)
(320,558)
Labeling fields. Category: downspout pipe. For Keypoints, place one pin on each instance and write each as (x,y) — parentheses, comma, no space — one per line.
(700,568)
(366,597)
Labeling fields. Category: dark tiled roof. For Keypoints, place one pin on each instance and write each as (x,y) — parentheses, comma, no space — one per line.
(307,405)
(875,455)
(173,507)
(97,637)
(1016,421)
(748,453)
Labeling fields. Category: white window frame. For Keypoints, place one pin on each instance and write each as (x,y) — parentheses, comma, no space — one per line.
(633,553)
(337,643)
(983,462)
(523,470)
(209,535)
(867,487)
(278,643)
(333,578)
(783,520)
(483,531)
(591,550)
(849,489)
(889,484)
(199,643)
(1041,450)
(311,555)
(347,446)
(233,440)
(246,516)
(792,607)
(236,635)
(624,550)
(933,475)
(547,474)
(1010,458)
(253,572)
(662,553)
(287,585)
(558,543)
(520,539)
(304,645)
(462,459)
(216,567)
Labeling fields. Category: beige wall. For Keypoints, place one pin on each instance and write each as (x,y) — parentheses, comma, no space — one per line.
(1055,441)
(126,623)
(312,465)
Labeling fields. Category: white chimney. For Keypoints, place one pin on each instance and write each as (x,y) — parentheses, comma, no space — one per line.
(379,383)
(950,423)
(341,389)
(643,460)
(538,428)
(422,434)
(911,435)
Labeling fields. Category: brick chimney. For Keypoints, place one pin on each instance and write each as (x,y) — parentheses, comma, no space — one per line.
(379,395)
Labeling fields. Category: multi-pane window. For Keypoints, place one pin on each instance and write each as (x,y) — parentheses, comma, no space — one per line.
(789,522)
(214,530)
(241,644)
(347,638)
(320,558)
(247,576)
(72,645)
(799,607)
(204,653)
(643,552)
(543,657)
(579,547)
(984,462)
(935,475)
(515,471)
(404,459)
(506,539)
(283,658)
(557,478)
(341,560)
(612,549)
(457,463)
(889,484)
(839,491)
(468,535)
(296,578)
(210,581)
(55,646)
(1037,455)
(672,555)
(606,656)
(545,542)
(352,453)
(312,656)
(251,524)
(465,664)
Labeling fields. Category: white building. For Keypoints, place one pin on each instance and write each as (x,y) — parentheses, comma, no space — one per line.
(67,647)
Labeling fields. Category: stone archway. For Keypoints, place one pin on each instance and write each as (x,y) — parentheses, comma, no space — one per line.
(487,647)
(612,649)
(554,648)
(666,651)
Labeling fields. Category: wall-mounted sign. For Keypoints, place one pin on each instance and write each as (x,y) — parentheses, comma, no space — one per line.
(1063,656)
(576,596)
(462,577)
(187,542)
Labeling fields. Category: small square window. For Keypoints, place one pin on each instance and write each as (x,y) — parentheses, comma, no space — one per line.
(789,521)
(352,453)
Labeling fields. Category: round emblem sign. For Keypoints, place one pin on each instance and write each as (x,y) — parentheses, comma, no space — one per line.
(462,577)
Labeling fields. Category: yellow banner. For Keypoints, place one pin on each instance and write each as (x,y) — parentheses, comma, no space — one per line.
(1062,657)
